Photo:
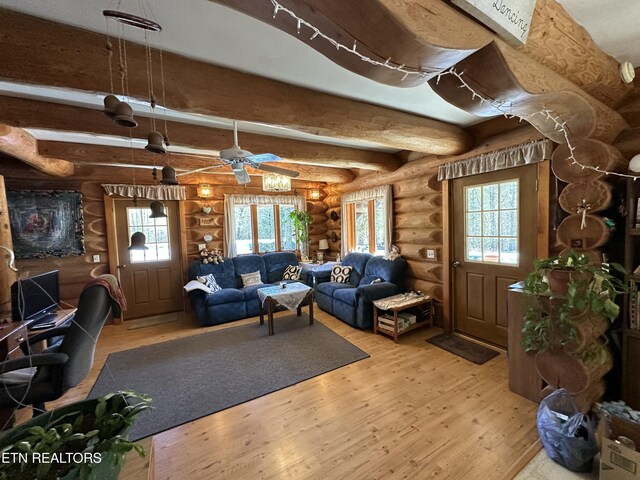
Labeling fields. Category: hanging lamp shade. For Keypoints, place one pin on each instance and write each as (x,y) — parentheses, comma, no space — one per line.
(169,176)
(155,143)
(124,115)
(110,104)
(138,240)
(157,209)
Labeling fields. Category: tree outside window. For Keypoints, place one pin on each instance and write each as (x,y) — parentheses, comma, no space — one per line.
(263,228)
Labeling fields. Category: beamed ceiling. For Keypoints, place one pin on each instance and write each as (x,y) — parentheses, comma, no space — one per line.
(321,109)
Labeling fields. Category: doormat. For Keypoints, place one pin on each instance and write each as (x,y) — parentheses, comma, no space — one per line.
(463,348)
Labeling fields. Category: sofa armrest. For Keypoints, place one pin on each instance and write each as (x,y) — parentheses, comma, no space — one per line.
(376,291)
(322,276)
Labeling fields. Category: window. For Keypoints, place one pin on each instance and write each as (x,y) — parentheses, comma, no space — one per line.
(366,226)
(156,231)
(263,228)
(491,223)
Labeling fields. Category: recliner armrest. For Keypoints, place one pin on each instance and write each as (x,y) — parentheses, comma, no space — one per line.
(321,277)
(376,291)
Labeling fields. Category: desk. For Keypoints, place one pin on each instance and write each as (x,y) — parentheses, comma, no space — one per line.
(12,334)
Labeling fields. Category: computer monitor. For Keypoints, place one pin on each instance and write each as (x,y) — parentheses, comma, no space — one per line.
(35,297)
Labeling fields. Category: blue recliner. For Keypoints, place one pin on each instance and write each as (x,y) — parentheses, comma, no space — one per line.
(372,278)
(234,301)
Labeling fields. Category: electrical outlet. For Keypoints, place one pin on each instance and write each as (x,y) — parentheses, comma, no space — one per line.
(431,254)
(202,246)
(96,258)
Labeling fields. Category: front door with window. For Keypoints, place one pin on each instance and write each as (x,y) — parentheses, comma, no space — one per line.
(151,277)
(494,243)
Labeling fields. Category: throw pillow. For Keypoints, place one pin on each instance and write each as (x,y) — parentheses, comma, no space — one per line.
(210,281)
(252,278)
(292,272)
(341,274)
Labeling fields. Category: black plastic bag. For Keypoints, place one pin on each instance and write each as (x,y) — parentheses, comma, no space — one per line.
(568,436)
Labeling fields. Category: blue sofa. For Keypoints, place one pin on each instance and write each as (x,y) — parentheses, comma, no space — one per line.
(353,302)
(234,301)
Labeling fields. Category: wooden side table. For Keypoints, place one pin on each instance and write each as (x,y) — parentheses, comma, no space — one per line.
(400,303)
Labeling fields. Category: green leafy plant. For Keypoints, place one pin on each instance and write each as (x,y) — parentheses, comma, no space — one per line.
(549,318)
(301,220)
(83,440)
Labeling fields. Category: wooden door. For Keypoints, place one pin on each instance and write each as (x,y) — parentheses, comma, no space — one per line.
(494,246)
(151,278)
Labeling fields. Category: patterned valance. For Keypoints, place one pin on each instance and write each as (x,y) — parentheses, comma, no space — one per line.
(517,156)
(152,192)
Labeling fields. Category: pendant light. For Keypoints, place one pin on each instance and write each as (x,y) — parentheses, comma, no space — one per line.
(157,209)
(138,240)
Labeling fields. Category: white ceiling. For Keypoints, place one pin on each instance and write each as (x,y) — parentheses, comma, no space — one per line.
(209,32)
(611,24)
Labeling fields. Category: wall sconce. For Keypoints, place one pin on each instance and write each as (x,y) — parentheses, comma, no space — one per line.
(314,194)
(634,164)
(205,191)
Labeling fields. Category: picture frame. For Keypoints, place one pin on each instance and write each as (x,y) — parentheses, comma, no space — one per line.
(207,221)
(46,223)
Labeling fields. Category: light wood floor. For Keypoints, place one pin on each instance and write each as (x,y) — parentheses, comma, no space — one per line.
(411,410)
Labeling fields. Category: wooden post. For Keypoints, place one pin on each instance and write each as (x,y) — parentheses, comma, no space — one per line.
(7,276)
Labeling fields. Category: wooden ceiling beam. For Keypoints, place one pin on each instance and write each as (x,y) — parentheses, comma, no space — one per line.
(83,154)
(58,55)
(27,113)
(19,144)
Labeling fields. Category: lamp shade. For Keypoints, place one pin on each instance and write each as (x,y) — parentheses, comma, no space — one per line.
(138,240)
(323,244)
(157,209)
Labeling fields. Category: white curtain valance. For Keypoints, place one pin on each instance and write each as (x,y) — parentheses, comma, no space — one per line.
(365,195)
(152,192)
(267,200)
(518,156)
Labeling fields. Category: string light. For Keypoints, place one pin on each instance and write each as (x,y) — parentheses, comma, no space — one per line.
(548,114)
(277,8)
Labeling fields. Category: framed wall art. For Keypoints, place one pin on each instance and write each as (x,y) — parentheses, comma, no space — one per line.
(46,223)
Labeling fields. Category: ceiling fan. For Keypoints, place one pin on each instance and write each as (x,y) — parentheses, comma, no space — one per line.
(239,159)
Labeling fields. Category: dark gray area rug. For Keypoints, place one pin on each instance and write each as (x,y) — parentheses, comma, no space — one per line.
(198,375)
(466,349)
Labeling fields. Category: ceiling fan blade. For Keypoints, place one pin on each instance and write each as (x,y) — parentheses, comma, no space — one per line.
(242,176)
(263,157)
(272,169)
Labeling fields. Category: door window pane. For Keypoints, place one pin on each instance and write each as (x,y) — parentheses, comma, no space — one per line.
(491,226)
(362,227)
(244,240)
(378,207)
(287,240)
(156,231)
(266,229)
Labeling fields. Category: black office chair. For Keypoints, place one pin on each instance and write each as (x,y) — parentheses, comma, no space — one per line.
(59,367)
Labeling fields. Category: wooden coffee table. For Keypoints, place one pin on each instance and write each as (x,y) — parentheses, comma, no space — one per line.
(422,304)
(278,296)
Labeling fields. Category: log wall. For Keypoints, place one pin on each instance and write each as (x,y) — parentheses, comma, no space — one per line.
(77,270)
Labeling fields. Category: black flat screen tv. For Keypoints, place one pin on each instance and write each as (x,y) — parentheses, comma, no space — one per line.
(35,297)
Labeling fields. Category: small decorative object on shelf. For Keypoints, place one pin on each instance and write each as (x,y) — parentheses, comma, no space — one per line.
(211,256)
(206,210)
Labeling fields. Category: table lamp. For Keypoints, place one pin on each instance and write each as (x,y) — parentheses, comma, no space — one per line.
(323,244)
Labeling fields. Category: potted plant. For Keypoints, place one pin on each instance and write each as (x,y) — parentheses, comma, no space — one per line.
(564,288)
(83,440)
(301,221)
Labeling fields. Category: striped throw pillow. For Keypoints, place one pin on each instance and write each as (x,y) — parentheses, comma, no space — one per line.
(210,281)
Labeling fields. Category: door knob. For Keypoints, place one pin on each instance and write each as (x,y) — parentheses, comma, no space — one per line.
(122,266)
(456,264)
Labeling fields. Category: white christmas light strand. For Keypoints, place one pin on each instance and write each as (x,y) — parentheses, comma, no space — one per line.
(559,125)
(277,7)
